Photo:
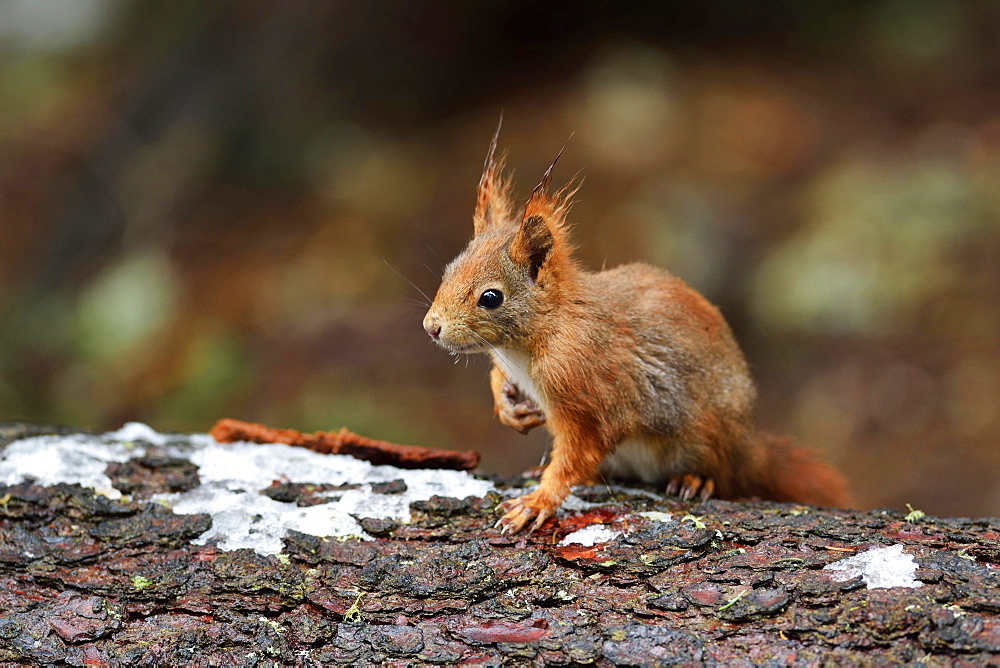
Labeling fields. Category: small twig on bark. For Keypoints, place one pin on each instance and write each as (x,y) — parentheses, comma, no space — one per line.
(345,442)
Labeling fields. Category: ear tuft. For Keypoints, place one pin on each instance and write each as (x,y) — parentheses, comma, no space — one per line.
(552,207)
(493,195)
(546,181)
(543,225)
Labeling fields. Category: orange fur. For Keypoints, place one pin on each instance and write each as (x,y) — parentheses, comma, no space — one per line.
(632,372)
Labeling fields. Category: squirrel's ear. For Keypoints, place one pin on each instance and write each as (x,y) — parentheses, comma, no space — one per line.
(532,244)
(492,197)
(543,224)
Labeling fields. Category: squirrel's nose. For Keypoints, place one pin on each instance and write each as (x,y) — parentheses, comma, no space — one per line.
(432,327)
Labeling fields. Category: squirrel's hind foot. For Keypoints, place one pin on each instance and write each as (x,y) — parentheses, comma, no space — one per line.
(688,486)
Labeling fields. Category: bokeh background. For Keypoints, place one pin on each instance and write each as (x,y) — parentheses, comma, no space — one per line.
(217,209)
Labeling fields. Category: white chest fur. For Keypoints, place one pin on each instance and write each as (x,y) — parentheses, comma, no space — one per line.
(514,366)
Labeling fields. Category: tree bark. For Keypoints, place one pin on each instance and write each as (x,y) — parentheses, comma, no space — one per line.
(87,580)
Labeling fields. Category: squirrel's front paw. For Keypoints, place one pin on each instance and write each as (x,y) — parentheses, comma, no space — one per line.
(517,411)
(520,511)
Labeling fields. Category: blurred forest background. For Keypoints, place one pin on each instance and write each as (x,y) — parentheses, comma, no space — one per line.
(204,207)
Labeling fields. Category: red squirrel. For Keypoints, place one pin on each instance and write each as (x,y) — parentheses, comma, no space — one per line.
(634,374)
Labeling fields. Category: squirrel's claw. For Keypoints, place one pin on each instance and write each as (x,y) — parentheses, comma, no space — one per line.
(688,486)
(520,511)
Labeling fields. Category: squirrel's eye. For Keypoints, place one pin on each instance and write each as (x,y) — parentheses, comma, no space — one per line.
(491,299)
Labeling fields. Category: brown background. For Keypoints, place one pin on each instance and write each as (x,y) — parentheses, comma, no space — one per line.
(205,210)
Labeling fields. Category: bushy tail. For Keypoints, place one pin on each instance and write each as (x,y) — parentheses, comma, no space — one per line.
(794,474)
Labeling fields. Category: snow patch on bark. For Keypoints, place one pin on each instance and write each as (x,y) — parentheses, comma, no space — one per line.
(880,568)
(232,476)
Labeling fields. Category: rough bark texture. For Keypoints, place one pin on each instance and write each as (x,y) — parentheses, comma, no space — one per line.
(86,580)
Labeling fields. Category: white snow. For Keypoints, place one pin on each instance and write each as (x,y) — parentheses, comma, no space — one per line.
(590,535)
(232,475)
(880,568)
(137,431)
(570,503)
(49,460)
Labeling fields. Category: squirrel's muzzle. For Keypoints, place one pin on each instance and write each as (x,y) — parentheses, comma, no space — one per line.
(432,325)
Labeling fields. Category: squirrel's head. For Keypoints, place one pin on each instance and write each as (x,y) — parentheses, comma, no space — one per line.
(515,269)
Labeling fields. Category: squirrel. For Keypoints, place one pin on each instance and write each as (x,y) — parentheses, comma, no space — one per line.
(634,374)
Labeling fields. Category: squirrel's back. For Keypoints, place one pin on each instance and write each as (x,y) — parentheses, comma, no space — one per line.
(678,341)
